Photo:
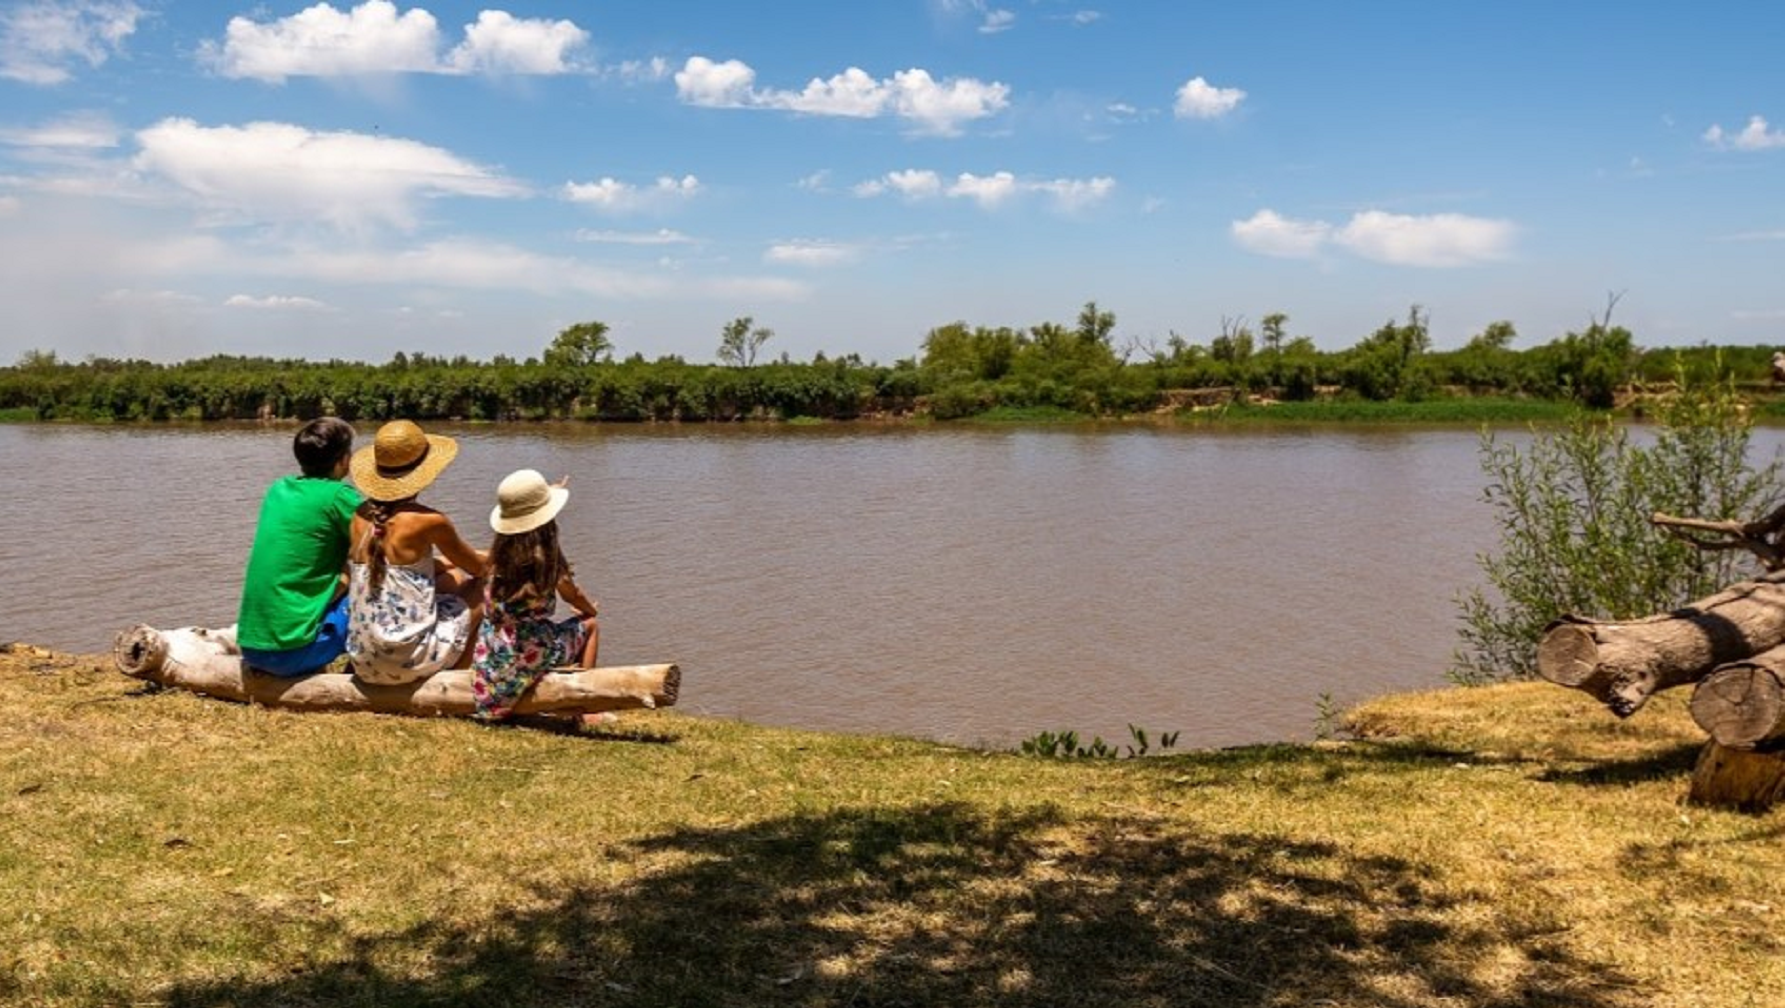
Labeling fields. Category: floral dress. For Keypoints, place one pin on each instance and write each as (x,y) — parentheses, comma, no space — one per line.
(519,642)
(403,632)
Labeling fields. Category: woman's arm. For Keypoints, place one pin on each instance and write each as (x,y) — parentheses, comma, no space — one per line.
(569,592)
(447,540)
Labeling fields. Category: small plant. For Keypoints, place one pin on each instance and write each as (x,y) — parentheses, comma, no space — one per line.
(1065,745)
(1327,714)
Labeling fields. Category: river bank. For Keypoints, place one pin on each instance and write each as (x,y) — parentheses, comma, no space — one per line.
(1510,845)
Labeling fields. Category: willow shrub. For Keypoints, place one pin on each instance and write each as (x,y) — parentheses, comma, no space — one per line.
(1573,510)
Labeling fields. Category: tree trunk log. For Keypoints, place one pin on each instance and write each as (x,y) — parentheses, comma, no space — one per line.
(206,661)
(1742,704)
(1733,778)
(1623,663)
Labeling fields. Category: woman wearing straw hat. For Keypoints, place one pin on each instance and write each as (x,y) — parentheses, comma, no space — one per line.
(411,617)
(520,638)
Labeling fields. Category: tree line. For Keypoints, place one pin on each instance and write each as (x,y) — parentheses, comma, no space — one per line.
(962,370)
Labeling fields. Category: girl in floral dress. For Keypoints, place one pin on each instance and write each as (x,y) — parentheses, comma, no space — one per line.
(521,638)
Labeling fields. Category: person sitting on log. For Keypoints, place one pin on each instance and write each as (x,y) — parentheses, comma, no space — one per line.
(292,619)
(521,638)
(410,615)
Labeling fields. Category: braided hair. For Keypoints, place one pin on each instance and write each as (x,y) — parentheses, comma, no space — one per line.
(379,514)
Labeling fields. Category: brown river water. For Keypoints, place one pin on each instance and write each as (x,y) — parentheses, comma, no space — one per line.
(973,585)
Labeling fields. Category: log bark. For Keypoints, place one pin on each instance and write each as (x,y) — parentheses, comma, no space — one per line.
(206,661)
(1737,779)
(1742,704)
(1623,663)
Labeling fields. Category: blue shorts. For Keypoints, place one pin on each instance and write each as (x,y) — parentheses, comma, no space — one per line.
(330,643)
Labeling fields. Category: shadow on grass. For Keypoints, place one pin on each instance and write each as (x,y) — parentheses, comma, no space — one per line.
(948,905)
(1674,761)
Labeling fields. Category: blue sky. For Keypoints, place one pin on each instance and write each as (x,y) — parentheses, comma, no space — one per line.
(180,179)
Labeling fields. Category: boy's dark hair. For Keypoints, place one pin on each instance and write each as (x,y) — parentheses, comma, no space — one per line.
(321,444)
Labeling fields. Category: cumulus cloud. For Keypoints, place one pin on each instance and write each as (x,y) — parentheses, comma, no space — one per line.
(374,38)
(1269,233)
(812,252)
(501,43)
(933,107)
(1434,240)
(1198,99)
(613,195)
(989,191)
(1757,135)
(276,172)
(275,302)
(41,41)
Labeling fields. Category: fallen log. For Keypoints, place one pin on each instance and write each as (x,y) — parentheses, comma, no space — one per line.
(1742,704)
(207,661)
(1621,663)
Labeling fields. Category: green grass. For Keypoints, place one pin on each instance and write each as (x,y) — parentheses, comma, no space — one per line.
(18,414)
(1491,847)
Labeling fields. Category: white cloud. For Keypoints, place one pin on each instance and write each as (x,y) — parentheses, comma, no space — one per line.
(275,302)
(614,195)
(1269,233)
(654,69)
(1440,240)
(811,252)
(77,131)
(933,107)
(503,44)
(715,85)
(1076,194)
(997,21)
(913,184)
(40,40)
(375,39)
(661,236)
(989,191)
(1198,99)
(277,172)
(1755,136)
(1436,240)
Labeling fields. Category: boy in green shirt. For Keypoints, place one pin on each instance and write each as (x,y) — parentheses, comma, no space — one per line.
(293,616)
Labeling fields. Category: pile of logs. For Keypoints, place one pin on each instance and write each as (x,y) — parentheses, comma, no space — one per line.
(1730,647)
(208,662)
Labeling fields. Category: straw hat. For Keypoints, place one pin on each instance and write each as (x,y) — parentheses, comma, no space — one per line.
(400,461)
(526,501)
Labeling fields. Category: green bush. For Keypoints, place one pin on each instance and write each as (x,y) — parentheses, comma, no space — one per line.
(1573,510)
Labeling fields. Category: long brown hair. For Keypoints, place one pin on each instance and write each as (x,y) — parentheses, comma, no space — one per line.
(528,562)
(379,514)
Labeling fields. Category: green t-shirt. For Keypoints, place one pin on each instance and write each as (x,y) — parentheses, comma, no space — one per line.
(300,549)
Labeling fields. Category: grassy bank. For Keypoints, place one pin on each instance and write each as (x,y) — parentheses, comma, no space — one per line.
(1491,847)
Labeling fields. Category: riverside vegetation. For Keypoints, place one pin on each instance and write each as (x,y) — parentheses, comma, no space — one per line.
(1499,846)
(1046,371)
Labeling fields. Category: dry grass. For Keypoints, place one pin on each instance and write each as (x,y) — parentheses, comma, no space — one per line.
(1494,847)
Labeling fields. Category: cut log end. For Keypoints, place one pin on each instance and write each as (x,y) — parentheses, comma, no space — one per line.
(139,651)
(1568,655)
(1740,705)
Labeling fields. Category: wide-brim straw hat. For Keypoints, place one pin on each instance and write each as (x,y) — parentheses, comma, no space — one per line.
(401,460)
(525,502)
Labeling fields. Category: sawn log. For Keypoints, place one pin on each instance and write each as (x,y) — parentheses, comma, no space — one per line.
(206,661)
(1623,663)
(1741,704)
